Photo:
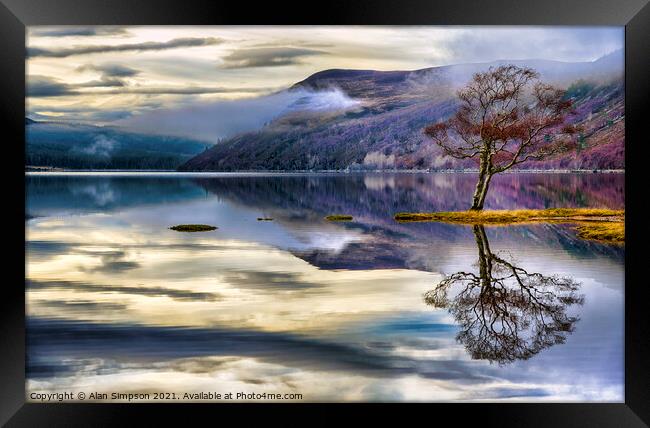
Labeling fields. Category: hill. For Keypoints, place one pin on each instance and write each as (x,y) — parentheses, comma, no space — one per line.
(384,130)
(79,146)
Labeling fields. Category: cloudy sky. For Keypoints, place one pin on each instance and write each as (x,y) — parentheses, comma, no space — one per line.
(109,74)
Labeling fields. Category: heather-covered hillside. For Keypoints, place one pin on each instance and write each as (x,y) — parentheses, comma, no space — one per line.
(385,129)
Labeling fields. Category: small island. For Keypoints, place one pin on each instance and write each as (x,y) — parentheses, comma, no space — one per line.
(339,217)
(193,228)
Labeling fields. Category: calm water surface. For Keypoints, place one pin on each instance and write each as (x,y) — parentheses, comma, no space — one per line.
(363,310)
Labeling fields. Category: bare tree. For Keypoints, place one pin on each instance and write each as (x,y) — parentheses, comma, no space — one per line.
(506,313)
(506,117)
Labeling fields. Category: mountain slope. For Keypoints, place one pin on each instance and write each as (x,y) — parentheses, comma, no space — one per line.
(385,130)
(85,146)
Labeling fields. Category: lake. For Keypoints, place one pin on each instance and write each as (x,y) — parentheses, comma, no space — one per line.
(299,308)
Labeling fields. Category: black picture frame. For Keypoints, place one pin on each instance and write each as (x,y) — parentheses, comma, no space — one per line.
(15,15)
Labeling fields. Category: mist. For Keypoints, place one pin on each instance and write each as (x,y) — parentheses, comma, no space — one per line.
(101,146)
(217,120)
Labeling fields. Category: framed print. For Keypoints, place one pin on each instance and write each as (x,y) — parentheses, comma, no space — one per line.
(387,203)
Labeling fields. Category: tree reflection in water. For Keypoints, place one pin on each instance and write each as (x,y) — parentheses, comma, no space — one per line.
(506,313)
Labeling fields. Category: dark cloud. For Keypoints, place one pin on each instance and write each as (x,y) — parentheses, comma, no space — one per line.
(111,75)
(145,46)
(52,248)
(43,86)
(270,281)
(254,381)
(64,337)
(59,346)
(103,83)
(110,70)
(82,305)
(65,341)
(79,31)
(190,90)
(293,43)
(112,262)
(182,295)
(43,250)
(105,116)
(267,57)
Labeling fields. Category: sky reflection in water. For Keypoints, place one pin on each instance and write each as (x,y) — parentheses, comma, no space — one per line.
(335,311)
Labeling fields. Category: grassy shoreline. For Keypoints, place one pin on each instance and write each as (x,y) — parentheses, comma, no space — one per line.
(603,225)
(514,216)
(610,233)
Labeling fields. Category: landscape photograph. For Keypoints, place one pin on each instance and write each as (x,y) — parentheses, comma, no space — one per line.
(325,213)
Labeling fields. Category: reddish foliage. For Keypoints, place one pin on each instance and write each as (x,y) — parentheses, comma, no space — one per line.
(506,117)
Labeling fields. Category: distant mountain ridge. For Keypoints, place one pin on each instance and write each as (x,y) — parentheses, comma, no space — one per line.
(366,83)
(79,146)
(385,130)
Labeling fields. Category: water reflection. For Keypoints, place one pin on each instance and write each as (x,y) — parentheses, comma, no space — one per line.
(118,302)
(358,194)
(506,313)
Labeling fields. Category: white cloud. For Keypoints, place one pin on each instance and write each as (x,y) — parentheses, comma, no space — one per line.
(259,57)
(214,120)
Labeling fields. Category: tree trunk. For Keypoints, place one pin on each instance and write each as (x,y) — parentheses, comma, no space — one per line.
(486,185)
(479,186)
(482,185)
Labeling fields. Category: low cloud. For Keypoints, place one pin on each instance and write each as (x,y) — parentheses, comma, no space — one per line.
(145,46)
(267,57)
(217,120)
(102,146)
(483,44)
(325,100)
